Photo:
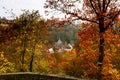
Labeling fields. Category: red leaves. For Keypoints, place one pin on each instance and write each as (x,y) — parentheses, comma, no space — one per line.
(89,33)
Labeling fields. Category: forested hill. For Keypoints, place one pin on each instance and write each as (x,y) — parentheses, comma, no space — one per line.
(66,33)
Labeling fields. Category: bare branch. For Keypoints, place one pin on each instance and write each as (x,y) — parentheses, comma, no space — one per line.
(81,18)
(107,5)
(103,4)
(112,20)
(99,4)
(93,7)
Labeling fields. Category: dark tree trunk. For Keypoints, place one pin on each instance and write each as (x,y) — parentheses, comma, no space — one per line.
(23,54)
(101,48)
(31,62)
(32,57)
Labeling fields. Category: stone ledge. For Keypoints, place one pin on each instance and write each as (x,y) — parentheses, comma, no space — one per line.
(33,76)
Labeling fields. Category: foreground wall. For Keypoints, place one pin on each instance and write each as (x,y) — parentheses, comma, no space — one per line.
(32,76)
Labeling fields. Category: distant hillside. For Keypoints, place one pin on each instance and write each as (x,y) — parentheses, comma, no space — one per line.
(66,33)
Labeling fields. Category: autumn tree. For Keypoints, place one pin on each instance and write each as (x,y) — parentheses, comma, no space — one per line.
(100,12)
(23,25)
(89,41)
(5,65)
(31,30)
(83,62)
(25,42)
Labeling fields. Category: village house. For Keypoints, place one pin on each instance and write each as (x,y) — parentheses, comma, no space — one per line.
(60,47)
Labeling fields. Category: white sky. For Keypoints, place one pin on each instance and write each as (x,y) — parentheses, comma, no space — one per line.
(18,5)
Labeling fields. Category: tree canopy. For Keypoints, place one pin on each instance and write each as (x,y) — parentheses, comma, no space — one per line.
(101,13)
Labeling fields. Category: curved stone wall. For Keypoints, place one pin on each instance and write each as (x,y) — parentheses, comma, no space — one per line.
(33,76)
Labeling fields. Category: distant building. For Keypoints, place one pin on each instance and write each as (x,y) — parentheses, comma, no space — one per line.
(59,44)
(60,47)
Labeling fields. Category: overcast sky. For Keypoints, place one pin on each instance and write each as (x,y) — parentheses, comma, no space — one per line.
(18,5)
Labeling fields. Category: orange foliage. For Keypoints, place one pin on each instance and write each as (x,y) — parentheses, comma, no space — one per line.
(90,43)
(85,62)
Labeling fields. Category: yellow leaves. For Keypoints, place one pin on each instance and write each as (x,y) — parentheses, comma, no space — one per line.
(44,65)
(39,45)
(5,65)
(113,71)
(27,50)
(2,56)
(110,74)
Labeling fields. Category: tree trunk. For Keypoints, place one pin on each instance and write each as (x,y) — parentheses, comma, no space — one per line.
(32,59)
(23,54)
(101,48)
(31,62)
